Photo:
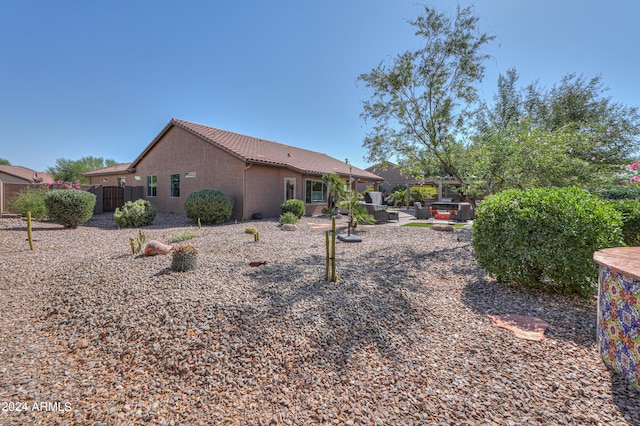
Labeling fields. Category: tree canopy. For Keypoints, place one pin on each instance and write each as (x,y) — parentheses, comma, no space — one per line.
(422,100)
(426,116)
(71,170)
(4,162)
(568,135)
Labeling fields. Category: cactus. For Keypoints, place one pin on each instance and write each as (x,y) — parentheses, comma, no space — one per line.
(199,224)
(254,231)
(331,254)
(185,258)
(137,244)
(29,231)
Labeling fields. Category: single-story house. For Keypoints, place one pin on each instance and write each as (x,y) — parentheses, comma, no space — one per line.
(259,175)
(392,176)
(14,179)
(19,174)
(117,175)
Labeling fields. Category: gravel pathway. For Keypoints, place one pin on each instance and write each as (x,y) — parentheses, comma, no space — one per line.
(93,335)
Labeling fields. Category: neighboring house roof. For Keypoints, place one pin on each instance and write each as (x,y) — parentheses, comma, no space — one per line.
(26,174)
(260,151)
(118,169)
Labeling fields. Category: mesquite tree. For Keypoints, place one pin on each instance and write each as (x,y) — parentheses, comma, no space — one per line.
(422,100)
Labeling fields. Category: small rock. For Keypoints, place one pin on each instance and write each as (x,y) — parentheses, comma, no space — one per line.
(289,227)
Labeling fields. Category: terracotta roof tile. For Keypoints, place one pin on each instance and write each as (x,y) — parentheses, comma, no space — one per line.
(111,170)
(261,151)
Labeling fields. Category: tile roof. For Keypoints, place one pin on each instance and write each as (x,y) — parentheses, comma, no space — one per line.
(111,170)
(261,151)
(27,174)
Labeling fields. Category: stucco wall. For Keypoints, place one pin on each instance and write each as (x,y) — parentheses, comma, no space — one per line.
(181,152)
(11,179)
(112,180)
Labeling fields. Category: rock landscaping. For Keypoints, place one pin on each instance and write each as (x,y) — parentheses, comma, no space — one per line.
(92,334)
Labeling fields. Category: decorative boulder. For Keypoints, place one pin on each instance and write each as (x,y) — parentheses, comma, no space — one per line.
(442,228)
(156,247)
(289,227)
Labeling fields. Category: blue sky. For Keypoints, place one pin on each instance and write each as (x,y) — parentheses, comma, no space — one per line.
(102,78)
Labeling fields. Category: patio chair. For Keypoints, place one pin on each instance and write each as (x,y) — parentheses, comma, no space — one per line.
(421,212)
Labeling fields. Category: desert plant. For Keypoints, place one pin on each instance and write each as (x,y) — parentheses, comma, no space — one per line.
(135,214)
(296,207)
(185,258)
(328,211)
(545,237)
(360,214)
(30,200)
(422,193)
(208,206)
(253,231)
(288,218)
(187,234)
(137,243)
(70,207)
(29,231)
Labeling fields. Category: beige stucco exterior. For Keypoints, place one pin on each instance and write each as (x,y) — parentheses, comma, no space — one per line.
(252,171)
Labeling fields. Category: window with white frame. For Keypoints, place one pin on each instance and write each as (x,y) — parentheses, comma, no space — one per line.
(316,192)
(289,188)
(152,186)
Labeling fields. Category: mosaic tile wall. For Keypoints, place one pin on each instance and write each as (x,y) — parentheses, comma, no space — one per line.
(618,329)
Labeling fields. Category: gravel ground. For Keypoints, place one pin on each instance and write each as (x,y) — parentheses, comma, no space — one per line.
(93,335)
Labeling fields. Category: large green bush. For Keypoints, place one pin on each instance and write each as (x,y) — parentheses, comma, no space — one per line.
(30,200)
(135,214)
(70,207)
(617,192)
(545,237)
(208,205)
(296,207)
(630,210)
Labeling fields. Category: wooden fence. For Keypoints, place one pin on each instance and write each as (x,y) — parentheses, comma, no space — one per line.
(108,198)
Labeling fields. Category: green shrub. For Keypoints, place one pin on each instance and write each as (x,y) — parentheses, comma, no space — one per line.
(208,206)
(545,237)
(288,218)
(187,234)
(296,207)
(617,192)
(70,207)
(30,200)
(135,214)
(630,210)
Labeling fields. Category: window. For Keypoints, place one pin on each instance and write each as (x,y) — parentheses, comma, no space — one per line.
(175,185)
(289,188)
(152,186)
(316,192)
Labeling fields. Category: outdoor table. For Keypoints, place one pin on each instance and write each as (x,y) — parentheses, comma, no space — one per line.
(618,331)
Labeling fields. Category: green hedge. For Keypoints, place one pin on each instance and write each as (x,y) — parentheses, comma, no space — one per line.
(135,214)
(70,207)
(208,205)
(545,237)
(630,210)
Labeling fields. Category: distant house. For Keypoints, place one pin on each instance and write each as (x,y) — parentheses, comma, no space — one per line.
(392,176)
(259,175)
(14,179)
(117,175)
(19,174)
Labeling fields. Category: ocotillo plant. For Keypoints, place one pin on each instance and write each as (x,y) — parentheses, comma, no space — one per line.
(29,231)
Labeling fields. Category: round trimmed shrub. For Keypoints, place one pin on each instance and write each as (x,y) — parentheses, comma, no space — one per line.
(208,205)
(630,211)
(135,214)
(288,218)
(545,237)
(70,207)
(296,207)
(30,200)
